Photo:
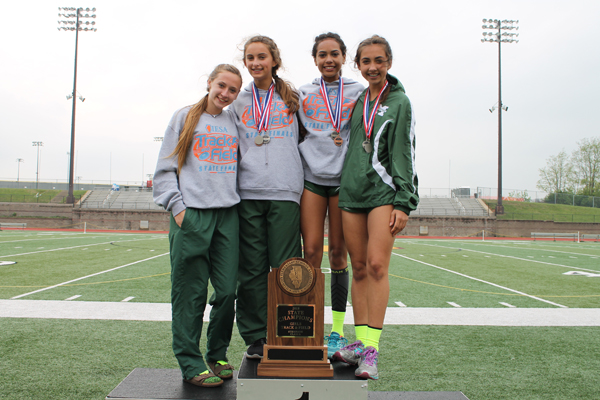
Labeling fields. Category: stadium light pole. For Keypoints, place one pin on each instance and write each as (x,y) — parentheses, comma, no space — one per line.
(19,161)
(37,169)
(495,30)
(79,14)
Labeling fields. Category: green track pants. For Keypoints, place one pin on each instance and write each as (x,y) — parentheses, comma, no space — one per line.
(269,235)
(205,247)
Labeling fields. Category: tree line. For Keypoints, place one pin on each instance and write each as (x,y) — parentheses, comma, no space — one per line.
(577,173)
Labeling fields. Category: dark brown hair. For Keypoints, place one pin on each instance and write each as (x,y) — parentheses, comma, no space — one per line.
(328,35)
(375,39)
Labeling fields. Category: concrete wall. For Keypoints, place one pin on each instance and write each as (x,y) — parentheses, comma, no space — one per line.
(158,220)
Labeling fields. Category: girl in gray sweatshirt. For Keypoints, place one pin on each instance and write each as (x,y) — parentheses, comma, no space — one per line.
(270,182)
(326,106)
(195,179)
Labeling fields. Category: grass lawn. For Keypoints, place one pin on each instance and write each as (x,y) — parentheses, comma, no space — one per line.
(77,359)
(86,359)
(546,212)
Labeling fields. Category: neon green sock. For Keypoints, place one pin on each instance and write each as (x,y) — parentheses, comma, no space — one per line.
(373,335)
(338,322)
(361,332)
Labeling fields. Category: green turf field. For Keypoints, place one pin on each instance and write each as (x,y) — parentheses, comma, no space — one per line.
(76,359)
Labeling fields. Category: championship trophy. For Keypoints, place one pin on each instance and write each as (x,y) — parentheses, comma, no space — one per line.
(295,325)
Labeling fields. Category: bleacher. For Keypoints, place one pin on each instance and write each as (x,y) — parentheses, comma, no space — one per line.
(141,199)
(455,206)
(124,199)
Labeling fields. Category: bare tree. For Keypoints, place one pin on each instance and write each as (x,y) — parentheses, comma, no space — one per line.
(558,174)
(586,159)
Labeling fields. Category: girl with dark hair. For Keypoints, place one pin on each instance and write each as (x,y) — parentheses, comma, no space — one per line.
(378,191)
(325,109)
(195,179)
(270,185)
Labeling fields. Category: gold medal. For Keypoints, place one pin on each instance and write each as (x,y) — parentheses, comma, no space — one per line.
(338,141)
(367,146)
(258,140)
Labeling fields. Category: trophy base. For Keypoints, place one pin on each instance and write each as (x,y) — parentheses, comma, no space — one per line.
(295,362)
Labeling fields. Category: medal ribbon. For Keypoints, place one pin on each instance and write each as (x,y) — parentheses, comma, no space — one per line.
(336,117)
(261,113)
(369,124)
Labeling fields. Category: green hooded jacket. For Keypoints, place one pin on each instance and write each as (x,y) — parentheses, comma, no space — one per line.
(387,175)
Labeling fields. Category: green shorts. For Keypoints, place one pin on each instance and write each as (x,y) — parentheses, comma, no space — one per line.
(322,190)
(358,210)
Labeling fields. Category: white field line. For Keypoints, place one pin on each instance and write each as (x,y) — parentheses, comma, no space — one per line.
(482,281)
(513,257)
(453,304)
(533,248)
(87,276)
(74,247)
(46,239)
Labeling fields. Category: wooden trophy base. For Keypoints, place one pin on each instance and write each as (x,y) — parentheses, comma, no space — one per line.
(295,362)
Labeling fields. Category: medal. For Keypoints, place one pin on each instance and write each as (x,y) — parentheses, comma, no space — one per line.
(262,112)
(338,141)
(371,117)
(258,140)
(334,115)
(266,139)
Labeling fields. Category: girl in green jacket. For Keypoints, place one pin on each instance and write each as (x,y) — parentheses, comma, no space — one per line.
(377,193)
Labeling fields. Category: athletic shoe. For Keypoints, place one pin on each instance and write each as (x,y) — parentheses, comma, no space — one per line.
(256,349)
(367,367)
(350,354)
(335,342)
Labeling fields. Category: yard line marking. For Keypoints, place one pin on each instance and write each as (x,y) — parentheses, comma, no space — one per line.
(73,247)
(88,276)
(73,297)
(508,305)
(515,258)
(489,244)
(127,299)
(400,304)
(453,304)
(481,280)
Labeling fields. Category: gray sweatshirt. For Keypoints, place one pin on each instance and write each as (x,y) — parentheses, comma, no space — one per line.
(208,177)
(272,171)
(321,158)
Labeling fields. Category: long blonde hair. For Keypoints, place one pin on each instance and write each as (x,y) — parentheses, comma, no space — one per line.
(284,88)
(191,120)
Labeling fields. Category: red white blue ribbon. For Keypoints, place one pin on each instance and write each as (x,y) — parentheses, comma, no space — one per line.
(262,112)
(335,115)
(369,123)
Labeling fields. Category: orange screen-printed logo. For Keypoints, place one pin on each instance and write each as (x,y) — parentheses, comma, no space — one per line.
(278,119)
(215,148)
(314,107)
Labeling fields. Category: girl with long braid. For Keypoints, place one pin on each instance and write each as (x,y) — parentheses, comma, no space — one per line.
(270,181)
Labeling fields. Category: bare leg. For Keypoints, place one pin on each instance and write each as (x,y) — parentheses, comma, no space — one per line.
(338,254)
(312,220)
(356,236)
(379,251)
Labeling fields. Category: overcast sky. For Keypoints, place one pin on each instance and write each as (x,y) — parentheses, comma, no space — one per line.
(149,58)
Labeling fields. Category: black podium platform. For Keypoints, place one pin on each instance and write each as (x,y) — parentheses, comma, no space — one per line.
(167,384)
